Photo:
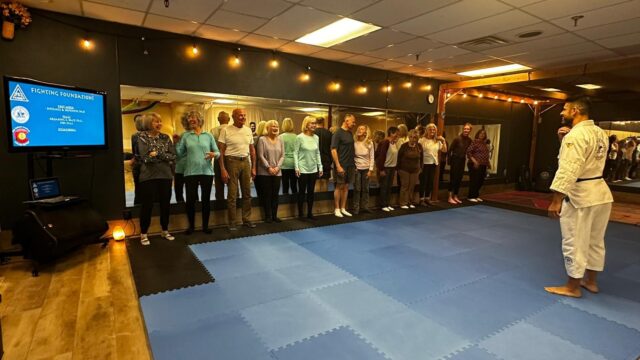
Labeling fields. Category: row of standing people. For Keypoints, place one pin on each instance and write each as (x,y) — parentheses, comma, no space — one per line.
(622,159)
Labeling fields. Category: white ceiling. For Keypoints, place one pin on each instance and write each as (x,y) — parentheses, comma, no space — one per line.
(432,29)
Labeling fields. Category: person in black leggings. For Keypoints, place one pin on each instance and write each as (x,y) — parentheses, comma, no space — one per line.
(458,151)
(308,164)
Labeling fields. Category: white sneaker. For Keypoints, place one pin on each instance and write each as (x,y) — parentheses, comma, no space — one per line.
(479,199)
(345,212)
(404,207)
(627,178)
(166,235)
(473,200)
(337,213)
(386,209)
(390,208)
(144,239)
(412,206)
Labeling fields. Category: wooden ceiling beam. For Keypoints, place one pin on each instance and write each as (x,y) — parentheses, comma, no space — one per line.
(584,69)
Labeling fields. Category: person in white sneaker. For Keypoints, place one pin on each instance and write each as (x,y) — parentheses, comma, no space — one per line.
(343,154)
(410,159)
(386,160)
(478,155)
(156,155)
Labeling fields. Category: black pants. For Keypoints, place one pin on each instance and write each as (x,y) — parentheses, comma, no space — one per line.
(443,167)
(476,179)
(307,183)
(149,191)
(270,187)
(219,194)
(386,182)
(178,187)
(426,179)
(135,171)
(455,174)
(192,182)
(289,180)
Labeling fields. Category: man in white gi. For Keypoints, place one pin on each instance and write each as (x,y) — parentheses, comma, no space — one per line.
(582,200)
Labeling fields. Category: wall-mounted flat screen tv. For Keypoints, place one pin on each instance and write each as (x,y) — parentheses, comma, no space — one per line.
(50,117)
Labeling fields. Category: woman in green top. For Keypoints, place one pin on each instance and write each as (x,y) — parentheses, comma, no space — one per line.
(307,162)
(199,149)
(288,138)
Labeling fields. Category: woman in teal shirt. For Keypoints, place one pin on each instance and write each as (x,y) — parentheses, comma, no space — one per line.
(288,138)
(198,148)
(308,165)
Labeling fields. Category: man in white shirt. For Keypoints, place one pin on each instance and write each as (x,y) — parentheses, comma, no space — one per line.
(581,199)
(237,163)
(223,120)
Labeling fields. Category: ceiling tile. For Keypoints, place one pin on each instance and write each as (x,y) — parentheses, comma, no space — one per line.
(620,41)
(535,45)
(220,34)
(67,7)
(330,54)
(389,12)
(464,59)
(487,26)
(408,59)
(169,24)
(387,65)
(338,7)
(611,30)
(434,73)
(231,20)
(375,40)
(575,59)
(607,15)
(414,46)
(553,9)
(299,48)
(361,60)
(409,69)
(262,8)
(547,29)
(448,17)
(191,10)
(569,50)
(441,53)
(519,3)
(296,22)
(112,13)
(140,5)
(264,42)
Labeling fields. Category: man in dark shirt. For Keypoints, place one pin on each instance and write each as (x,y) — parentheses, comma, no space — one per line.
(324,137)
(343,154)
(458,151)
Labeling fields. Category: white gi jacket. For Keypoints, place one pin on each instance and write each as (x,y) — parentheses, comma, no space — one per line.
(582,156)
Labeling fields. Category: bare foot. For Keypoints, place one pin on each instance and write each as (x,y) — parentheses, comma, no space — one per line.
(591,286)
(452,202)
(564,291)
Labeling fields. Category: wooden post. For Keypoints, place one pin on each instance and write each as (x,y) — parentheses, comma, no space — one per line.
(442,100)
(534,137)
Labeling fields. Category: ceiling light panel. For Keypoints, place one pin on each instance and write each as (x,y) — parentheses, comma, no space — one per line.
(589,86)
(495,70)
(337,32)
(296,22)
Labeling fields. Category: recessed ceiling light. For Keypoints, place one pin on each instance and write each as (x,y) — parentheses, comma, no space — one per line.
(550,89)
(223,101)
(589,86)
(310,109)
(373,113)
(494,70)
(335,33)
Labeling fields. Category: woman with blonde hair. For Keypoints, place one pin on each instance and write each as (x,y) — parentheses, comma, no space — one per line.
(308,164)
(365,161)
(200,148)
(288,138)
(269,158)
(157,153)
(259,131)
(432,146)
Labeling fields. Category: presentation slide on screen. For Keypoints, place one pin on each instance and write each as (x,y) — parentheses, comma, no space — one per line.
(53,116)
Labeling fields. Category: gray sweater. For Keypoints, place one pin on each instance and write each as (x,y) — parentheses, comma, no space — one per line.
(159,166)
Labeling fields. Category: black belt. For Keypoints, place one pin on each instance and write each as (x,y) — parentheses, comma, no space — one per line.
(237,158)
(591,178)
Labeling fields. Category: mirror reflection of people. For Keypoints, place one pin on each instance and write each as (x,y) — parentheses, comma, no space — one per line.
(342,152)
(223,120)
(458,156)
(386,162)
(324,136)
(365,163)
(432,146)
(178,172)
(308,165)
(238,165)
(270,156)
(478,155)
(157,154)
(135,161)
(252,126)
(581,199)
(610,167)
(288,138)
(200,149)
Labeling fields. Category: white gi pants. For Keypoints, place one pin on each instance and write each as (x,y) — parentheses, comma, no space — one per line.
(583,237)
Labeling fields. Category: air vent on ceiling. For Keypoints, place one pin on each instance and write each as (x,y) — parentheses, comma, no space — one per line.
(483,42)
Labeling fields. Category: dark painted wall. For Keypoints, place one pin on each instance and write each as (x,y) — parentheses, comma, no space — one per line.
(515,131)
(48,50)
